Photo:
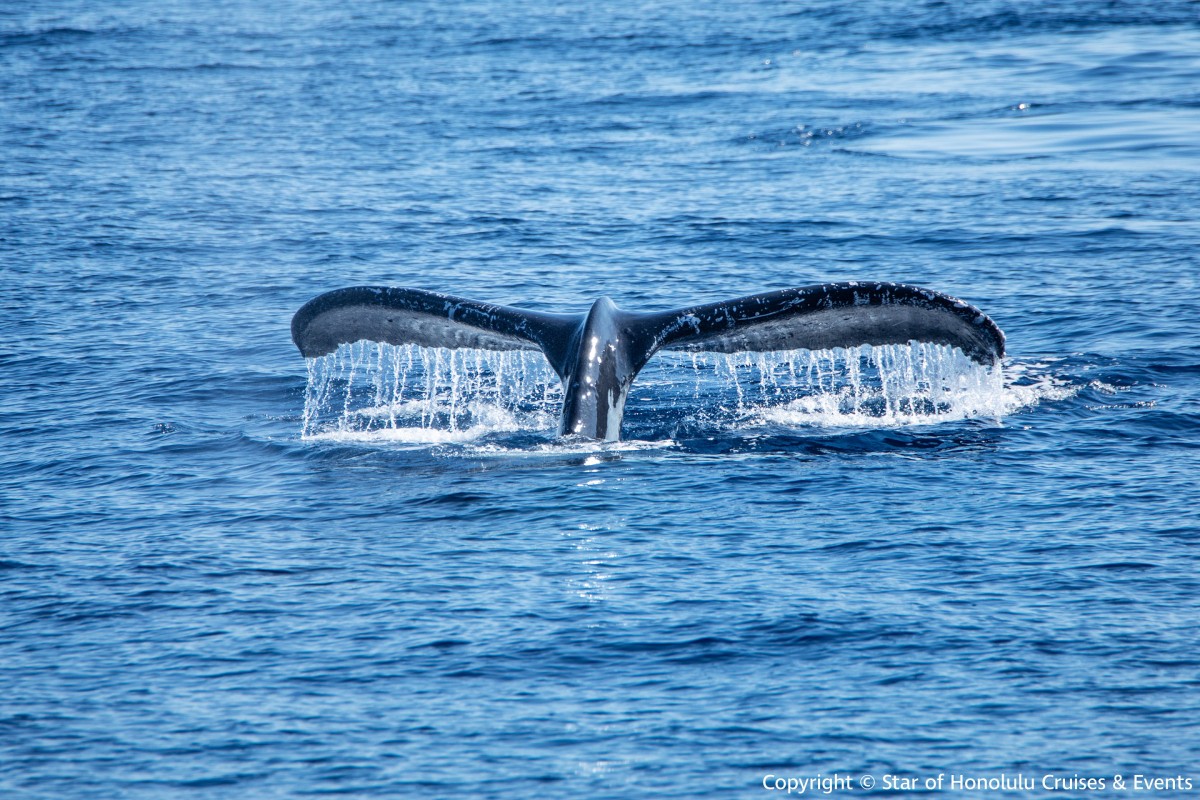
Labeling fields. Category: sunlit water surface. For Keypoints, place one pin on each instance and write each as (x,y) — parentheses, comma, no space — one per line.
(227,572)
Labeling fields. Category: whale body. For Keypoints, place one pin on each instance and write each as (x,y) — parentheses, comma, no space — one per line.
(598,354)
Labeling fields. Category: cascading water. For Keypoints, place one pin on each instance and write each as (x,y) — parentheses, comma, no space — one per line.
(858,387)
(418,393)
(412,393)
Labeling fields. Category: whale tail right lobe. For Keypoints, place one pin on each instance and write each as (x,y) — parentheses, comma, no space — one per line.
(832,315)
(597,355)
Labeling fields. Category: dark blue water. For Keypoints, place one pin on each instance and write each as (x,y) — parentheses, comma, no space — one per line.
(197,601)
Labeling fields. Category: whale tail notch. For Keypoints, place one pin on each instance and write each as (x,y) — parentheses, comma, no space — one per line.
(598,354)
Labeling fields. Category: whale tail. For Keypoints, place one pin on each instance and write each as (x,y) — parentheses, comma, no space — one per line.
(598,354)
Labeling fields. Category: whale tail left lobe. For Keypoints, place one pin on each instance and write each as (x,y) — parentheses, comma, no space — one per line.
(598,354)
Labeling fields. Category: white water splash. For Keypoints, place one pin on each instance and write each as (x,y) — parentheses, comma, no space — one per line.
(369,392)
(379,392)
(865,386)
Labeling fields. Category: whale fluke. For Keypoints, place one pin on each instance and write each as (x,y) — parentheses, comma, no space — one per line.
(598,354)
(833,315)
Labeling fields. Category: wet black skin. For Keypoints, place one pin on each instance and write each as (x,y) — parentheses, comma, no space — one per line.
(597,355)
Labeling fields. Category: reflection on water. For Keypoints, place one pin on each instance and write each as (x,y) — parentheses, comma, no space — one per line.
(1031,132)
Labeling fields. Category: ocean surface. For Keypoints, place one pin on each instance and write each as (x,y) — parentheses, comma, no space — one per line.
(224,573)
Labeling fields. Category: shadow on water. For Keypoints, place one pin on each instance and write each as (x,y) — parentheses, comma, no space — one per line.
(540,450)
(947,439)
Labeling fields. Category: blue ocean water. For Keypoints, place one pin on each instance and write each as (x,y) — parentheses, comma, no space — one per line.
(198,600)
